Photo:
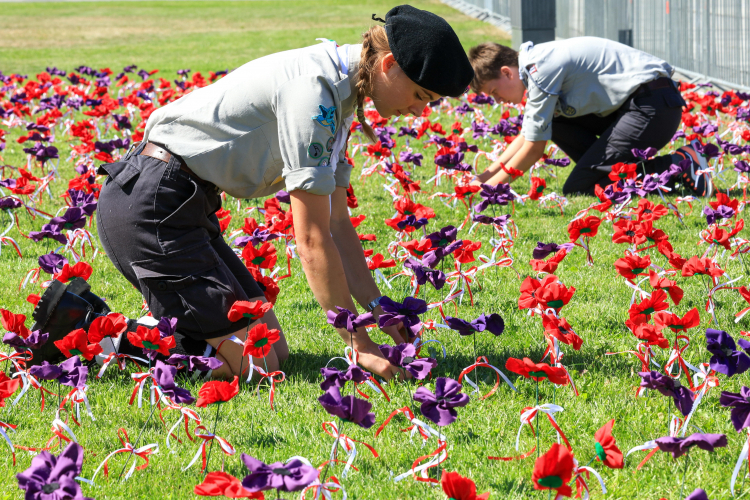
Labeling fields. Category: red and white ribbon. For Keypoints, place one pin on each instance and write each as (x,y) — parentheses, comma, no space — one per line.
(267,375)
(484,363)
(144,452)
(186,415)
(30,382)
(347,444)
(76,397)
(351,357)
(207,437)
(5,436)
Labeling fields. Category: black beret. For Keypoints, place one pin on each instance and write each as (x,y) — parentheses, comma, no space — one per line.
(428,50)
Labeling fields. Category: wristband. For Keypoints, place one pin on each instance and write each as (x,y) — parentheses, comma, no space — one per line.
(372,305)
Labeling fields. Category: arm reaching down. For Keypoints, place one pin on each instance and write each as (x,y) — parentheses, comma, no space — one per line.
(521,156)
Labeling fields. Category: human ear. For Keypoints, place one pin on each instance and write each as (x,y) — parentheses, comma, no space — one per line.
(387,63)
(506,72)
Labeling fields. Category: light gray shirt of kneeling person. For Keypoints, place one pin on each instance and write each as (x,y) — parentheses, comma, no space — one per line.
(271,124)
(580,76)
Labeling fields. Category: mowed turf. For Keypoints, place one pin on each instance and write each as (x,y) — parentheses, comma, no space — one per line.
(208,36)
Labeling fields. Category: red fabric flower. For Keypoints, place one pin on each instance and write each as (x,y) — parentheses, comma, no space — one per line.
(377,151)
(561,330)
(554,470)
(696,265)
(217,391)
(7,387)
(723,199)
(647,307)
(270,288)
(647,332)
(550,265)
(537,371)
(218,484)
(79,270)
(675,292)
(631,266)
(675,260)
(15,323)
(417,248)
(622,171)
(538,185)
(585,226)
(75,343)
(457,487)
(606,447)
(111,325)
(405,206)
(263,257)
(553,294)
(250,310)
(465,254)
(259,341)
(379,262)
(528,299)
(146,338)
(648,211)
(625,231)
(647,234)
(691,319)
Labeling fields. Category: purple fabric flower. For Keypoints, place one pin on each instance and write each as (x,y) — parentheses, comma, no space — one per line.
(463,147)
(740,404)
(698,494)
(449,161)
(73,218)
(557,162)
(708,151)
(439,407)
(349,408)
(164,378)
(122,121)
(406,157)
(404,356)
(333,377)
(292,476)
(434,257)
(412,221)
(542,250)
(463,109)
(479,129)
(52,263)
(344,318)
(49,231)
(616,197)
(501,221)
(424,274)
(682,396)
(9,203)
(35,340)
(86,202)
(483,98)
(679,446)
(283,197)
(167,326)
(713,216)
(410,131)
(73,373)
(726,358)
(53,478)
(444,237)
(46,371)
(494,195)
(194,363)
(493,323)
(728,147)
(406,312)
(643,154)
(740,166)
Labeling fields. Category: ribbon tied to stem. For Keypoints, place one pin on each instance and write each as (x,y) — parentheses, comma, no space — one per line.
(347,443)
(207,437)
(144,452)
(482,362)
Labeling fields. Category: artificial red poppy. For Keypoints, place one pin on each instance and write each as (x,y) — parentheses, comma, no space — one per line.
(150,338)
(367,237)
(217,391)
(561,330)
(259,341)
(379,262)
(270,288)
(7,387)
(647,234)
(75,343)
(537,371)
(513,172)
(554,470)
(356,221)
(549,265)
(646,210)
(405,206)
(250,226)
(723,199)
(528,299)
(606,447)
(463,191)
(218,484)
(675,292)
(622,171)
(377,151)
(696,265)
(605,202)
(351,198)
(585,226)
(33,299)
(273,209)
(251,310)
(15,323)
(465,254)
(263,257)
(417,248)
(79,270)
(625,231)
(631,266)
(552,293)
(691,319)
(111,325)
(647,332)
(457,487)
(675,259)
(538,185)
(650,305)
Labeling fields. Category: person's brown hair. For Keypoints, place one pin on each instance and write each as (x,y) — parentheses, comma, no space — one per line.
(374,48)
(487,59)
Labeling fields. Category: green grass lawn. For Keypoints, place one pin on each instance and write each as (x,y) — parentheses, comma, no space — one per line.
(207,36)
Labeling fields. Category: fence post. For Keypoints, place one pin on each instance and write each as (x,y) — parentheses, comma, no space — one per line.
(532,20)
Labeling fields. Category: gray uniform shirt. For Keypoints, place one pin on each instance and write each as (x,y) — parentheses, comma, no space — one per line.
(580,76)
(268,125)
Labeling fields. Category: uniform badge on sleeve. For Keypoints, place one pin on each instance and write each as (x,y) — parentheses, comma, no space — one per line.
(329,145)
(315,150)
(325,161)
(327,117)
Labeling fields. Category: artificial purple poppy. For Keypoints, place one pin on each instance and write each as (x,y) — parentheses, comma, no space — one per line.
(494,195)
(740,404)
(349,408)
(726,358)
(434,257)
(708,150)
(194,363)
(740,166)
(406,312)
(616,197)
(9,203)
(682,396)
(501,221)
(722,212)
(283,197)
(35,340)
(336,378)
(292,476)
(167,326)
(344,318)
(484,99)
(73,218)
(479,129)
(654,182)
(122,121)
(424,274)
(412,221)
(45,371)
(440,406)
(73,373)
(631,186)
(463,147)
(86,202)
(444,237)
(41,152)
(542,250)
(52,263)
(406,157)
(643,154)
(493,323)
(164,378)
(504,128)
(49,231)
(404,356)
(678,446)
(698,494)
(410,131)
(557,162)
(463,109)
(53,478)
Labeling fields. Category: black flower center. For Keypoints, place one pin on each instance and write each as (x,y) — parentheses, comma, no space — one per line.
(282,472)
(50,487)
(630,233)
(727,351)
(647,211)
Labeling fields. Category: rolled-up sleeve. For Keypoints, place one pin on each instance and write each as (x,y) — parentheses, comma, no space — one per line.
(538,114)
(308,118)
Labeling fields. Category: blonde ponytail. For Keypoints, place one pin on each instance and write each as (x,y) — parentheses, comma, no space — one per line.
(374,48)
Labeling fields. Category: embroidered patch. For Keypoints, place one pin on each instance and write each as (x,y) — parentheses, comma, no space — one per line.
(329,145)
(324,162)
(533,69)
(327,117)
(315,150)
(568,110)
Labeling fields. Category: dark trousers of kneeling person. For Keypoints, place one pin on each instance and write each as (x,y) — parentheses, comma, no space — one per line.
(648,118)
